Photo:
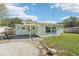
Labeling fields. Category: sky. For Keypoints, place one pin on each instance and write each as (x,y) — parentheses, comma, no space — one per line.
(43,12)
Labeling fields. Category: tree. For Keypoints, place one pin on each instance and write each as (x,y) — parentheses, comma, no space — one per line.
(3,10)
(72,21)
(5,22)
(10,22)
(16,20)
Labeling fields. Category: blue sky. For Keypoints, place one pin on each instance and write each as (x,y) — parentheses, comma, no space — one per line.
(43,11)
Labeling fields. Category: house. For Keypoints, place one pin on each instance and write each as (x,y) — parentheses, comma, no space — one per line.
(40,29)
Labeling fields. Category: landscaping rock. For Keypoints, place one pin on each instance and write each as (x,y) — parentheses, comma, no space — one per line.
(52,50)
(50,53)
(44,52)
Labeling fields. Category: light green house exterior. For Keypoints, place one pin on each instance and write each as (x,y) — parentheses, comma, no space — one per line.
(40,29)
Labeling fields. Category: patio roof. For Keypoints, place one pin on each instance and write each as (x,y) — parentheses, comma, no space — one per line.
(40,24)
(27,25)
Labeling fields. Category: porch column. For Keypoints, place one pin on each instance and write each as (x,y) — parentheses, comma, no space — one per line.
(30,33)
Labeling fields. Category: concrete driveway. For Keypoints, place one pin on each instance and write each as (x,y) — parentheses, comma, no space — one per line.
(18,47)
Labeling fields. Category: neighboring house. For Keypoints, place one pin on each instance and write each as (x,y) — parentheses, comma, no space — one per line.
(40,29)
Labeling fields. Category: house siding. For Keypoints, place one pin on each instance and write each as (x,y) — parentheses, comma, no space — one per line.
(42,32)
(39,30)
(20,31)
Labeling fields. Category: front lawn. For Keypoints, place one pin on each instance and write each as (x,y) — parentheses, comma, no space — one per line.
(66,44)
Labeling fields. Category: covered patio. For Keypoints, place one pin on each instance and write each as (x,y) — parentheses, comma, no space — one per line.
(26,31)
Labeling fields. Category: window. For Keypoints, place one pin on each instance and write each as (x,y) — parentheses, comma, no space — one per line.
(23,27)
(33,28)
(53,29)
(48,30)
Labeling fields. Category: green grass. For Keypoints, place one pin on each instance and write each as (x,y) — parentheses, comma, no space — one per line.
(66,44)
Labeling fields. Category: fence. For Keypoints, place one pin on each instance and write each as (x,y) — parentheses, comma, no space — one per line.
(72,29)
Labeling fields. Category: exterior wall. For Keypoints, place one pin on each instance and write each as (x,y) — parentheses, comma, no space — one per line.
(60,31)
(42,32)
(20,31)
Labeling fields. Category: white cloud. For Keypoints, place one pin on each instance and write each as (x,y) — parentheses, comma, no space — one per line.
(71,7)
(62,18)
(26,7)
(34,18)
(17,11)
